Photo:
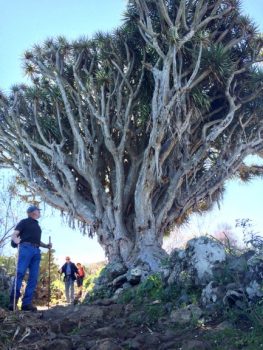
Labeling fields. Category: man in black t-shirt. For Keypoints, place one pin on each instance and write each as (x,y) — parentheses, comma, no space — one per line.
(28,235)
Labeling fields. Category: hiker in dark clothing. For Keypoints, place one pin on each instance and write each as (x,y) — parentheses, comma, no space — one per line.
(27,235)
(70,272)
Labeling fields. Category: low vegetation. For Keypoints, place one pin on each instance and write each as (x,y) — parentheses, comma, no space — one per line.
(156,307)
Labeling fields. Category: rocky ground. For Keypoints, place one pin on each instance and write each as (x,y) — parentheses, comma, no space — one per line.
(205,298)
(107,325)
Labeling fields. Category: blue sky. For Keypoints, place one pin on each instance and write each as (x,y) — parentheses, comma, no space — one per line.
(26,22)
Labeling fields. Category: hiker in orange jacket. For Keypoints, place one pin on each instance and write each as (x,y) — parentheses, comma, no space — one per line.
(80,277)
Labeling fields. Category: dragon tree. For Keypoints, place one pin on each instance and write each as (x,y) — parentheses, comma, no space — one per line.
(132,131)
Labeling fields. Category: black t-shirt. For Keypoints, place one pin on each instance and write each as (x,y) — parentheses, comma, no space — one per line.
(29,231)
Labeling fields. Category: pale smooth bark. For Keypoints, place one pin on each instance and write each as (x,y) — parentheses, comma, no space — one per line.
(86,148)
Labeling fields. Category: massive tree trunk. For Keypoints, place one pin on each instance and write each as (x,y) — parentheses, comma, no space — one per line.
(129,133)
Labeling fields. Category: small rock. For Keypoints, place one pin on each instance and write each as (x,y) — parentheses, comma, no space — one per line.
(106,344)
(117,293)
(223,326)
(134,276)
(114,311)
(3,313)
(149,340)
(186,314)
(194,345)
(233,296)
(118,281)
(131,344)
(116,269)
(59,344)
(67,326)
(104,302)
(128,309)
(254,290)
(106,332)
(168,335)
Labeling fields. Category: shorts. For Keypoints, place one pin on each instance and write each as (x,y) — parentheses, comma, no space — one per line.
(79,281)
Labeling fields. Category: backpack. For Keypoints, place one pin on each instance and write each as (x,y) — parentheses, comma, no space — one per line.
(81,272)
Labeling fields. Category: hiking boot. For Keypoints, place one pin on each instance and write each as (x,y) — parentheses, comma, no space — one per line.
(29,307)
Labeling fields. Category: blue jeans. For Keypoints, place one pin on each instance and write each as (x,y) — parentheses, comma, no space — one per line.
(69,289)
(29,258)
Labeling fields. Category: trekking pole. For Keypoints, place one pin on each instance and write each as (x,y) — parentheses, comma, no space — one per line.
(15,281)
(49,254)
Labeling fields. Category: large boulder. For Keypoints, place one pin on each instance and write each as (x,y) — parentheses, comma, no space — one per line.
(195,265)
(115,269)
(203,254)
(254,290)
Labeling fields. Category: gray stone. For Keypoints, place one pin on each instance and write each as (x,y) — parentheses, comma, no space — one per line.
(134,276)
(233,296)
(223,326)
(118,281)
(183,299)
(209,293)
(131,344)
(117,293)
(186,314)
(116,269)
(254,290)
(255,259)
(116,310)
(106,344)
(67,326)
(106,332)
(128,309)
(126,286)
(203,253)
(58,344)
(195,344)
(172,278)
(104,302)
(168,335)
(237,263)
(150,340)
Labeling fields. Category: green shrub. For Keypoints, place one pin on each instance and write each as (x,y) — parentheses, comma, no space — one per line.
(153,288)
(100,293)
(4,299)
(153,313)
(150,288)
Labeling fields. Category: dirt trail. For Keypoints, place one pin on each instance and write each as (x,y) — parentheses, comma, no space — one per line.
(101,326)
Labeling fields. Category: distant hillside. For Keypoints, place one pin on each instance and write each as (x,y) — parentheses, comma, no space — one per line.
(94,267)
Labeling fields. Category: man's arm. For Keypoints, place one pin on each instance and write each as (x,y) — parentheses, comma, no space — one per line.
(15,237)
(48,246)
(75,269)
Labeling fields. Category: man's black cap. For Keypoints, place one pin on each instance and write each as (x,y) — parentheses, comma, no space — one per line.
(32,208)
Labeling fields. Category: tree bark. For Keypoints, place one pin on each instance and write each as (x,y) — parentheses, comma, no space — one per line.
(130,133)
